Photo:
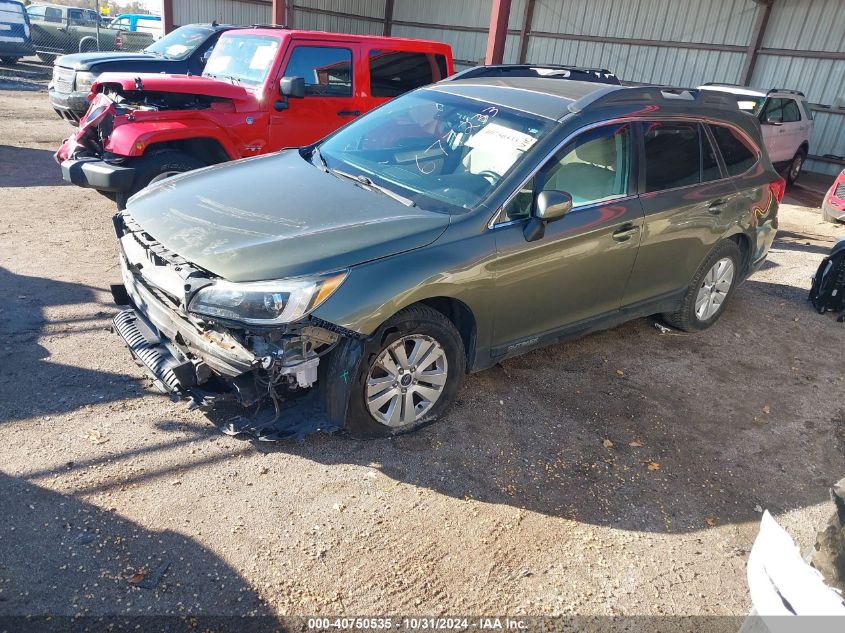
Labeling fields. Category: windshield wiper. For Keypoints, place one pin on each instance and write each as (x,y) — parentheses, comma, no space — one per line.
(368,183)
(235,80)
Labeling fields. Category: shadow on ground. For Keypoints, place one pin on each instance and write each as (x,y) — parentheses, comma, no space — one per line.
(63,557)
(61,387)
(27,167)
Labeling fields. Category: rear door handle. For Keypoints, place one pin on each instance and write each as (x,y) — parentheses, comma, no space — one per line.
(625,233)
(348,113)
(715,207)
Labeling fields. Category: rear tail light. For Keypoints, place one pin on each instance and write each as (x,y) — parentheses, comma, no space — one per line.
(778,188)
(118,42)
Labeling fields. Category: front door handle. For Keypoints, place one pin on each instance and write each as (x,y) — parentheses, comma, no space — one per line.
(348,113)
(625,233)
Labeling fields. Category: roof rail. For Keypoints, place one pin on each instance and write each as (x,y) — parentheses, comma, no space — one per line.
(787,91)
(725,83)
(656,95)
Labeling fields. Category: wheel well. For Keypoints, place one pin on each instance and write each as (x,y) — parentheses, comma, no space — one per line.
(207,150)
(744,244)
(461,317)
(805,146)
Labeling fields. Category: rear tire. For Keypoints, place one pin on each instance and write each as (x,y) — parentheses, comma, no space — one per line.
(443,360)
(10,61)
(46,58)
(709,289)
(157,166)
(795,166)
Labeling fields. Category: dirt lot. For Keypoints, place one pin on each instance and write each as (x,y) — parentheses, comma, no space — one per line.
(117,500)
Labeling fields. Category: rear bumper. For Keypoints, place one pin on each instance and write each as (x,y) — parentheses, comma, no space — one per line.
(70,106)
(94,173)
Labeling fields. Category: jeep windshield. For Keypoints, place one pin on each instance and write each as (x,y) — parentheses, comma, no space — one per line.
(180,43)
(242,59)
(440,151)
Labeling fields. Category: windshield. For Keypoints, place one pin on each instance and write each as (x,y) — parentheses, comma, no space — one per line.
(242,59)
(440,151)
(180,43)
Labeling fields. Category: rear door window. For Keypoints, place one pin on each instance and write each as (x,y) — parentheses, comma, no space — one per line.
(791,113)
(51,14)
(672,153)
(393,73)
(327,71)
(736,153)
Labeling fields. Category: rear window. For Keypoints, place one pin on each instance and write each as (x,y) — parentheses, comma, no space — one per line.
(677,154)
(393,73)
(736,153)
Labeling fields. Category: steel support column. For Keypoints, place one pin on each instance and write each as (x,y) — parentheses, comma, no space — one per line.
(282,12)
(388,17)
(764,10)
(524,32)
(499,13)
(167,15)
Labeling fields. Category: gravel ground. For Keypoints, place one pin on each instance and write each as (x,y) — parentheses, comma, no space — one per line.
(620,474)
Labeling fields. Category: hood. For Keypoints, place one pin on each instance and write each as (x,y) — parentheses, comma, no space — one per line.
(278,216)
(187,84)
(85,61)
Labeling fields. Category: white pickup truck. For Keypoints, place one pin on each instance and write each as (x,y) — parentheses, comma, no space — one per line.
(786,121)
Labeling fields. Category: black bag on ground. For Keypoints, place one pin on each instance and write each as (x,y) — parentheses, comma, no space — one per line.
(828,289)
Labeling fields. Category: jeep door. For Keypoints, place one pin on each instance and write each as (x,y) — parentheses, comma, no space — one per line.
(688,203)
(330,93)
(580,267)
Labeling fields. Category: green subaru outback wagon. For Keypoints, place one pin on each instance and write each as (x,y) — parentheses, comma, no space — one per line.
(452,227)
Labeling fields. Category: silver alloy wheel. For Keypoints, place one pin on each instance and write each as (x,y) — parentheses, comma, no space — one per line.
(714,288)
(795,168)
(406,380)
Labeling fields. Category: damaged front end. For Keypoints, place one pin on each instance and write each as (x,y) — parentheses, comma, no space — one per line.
(210,359)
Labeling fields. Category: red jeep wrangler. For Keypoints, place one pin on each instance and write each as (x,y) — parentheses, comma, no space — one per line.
(263,89)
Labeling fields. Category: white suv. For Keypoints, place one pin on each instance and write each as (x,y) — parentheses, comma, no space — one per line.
(786,121)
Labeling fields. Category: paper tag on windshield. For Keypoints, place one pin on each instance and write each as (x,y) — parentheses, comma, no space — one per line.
(263,56)
(496,138)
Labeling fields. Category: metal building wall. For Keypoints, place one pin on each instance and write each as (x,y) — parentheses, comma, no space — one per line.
(363,17)
(224,11)
(799,26)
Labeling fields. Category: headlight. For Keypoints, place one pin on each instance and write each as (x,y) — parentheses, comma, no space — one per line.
(265,302)
(84,81)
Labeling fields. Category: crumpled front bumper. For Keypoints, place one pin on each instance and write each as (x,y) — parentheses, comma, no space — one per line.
(833,211)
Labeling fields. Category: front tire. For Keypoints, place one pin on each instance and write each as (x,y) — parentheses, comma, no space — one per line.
(157,166)
(10,61)
(408,375)
(710,289)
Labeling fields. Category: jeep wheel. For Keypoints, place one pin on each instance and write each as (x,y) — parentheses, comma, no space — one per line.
(794,169)
(409,374)
(9,61)
(157,166)
(710,289)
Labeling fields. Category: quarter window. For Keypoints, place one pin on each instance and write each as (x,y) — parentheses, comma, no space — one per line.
(52,14)
(593,168)
(672,155)
(327,71)
(395,72)
(736,153)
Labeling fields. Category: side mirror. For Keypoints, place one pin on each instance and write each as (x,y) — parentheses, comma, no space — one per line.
(206,56)
(551,206)
(769,120)
(292,87)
